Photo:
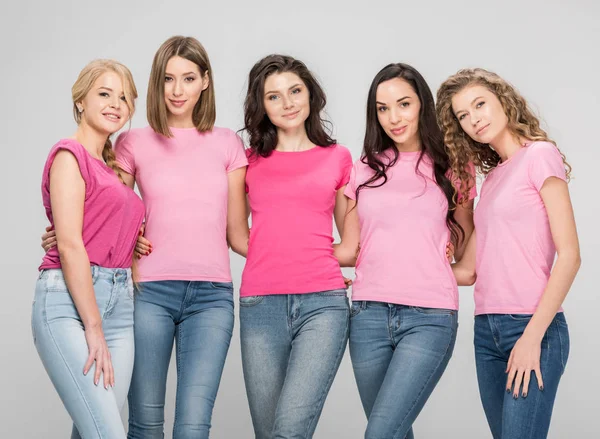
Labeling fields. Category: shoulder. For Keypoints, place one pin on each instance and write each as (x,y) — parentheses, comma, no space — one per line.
(541,148)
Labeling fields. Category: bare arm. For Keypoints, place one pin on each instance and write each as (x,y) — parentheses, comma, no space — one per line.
(67,195)
(464,270)
(347,250)
(555,195)
(464,217)
(341,202)
(237,217)
(525,355)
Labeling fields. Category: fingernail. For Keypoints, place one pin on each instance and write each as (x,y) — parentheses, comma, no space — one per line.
(140,233)
(95,383)
(541,387)
(524,395)
(147,253)
(515,396)
(507,390)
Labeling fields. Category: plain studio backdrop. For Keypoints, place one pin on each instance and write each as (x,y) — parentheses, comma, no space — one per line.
(547,49)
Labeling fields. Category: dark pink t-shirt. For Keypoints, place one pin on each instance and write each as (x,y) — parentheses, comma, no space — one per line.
(292,197)
(112,212)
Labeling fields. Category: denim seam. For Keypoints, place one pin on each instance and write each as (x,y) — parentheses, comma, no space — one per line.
(179,378)
(391,329)
(453,337)
(564,365)
(70,371)
(312,423)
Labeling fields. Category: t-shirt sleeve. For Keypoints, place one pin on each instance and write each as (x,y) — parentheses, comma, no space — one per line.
(124,152)
(82,157)
(236,155)
(350,190)
(345,167)
(545,162)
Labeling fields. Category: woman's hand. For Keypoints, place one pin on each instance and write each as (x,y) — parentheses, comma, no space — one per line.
(143,247)
(524,359)
(48,239)
(99,354)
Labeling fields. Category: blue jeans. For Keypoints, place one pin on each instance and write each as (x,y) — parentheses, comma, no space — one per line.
(399,354)
(59,338)
(199,317)
(292,346)
(509,418)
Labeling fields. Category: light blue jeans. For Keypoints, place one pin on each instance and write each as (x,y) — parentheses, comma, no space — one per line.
(292,346)
(198,316)
(59,338)
(399,354)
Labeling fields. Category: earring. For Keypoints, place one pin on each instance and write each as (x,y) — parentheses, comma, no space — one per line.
(80,108)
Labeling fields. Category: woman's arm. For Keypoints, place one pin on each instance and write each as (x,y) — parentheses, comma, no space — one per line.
(67,195)
(347,250)
(464,217)
(525,356)
(464,270)
(237,216)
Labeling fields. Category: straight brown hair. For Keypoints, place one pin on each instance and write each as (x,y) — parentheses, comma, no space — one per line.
(205,111)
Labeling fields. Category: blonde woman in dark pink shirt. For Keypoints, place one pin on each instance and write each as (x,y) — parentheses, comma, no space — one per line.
(82,316)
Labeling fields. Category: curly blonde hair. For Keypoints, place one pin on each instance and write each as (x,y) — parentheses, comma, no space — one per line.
(522,123)
(84,83)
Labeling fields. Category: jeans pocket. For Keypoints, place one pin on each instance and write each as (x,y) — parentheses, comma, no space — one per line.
(251,300)
(355,309)
(520,317)
(228,286)
(439,311)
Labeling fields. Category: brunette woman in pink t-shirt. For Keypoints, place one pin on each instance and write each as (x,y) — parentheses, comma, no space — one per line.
(82,317)
(190,174)
(293,305)
(523,219)
(402,209)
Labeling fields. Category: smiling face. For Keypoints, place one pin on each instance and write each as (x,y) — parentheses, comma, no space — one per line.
(184,83)
(286,100)
(398,108)
(104,108)
(480,114)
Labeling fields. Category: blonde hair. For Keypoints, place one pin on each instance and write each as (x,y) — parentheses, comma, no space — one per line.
(205,112)
(522,123)
(84,83)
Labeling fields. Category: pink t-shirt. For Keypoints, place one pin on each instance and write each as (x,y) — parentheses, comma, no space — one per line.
(183,182)
(403,236)
(112,213)
(515,249)
(292,197)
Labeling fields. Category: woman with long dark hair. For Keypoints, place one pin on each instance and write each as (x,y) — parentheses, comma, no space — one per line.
(293,305)
(403,209)
(523,221)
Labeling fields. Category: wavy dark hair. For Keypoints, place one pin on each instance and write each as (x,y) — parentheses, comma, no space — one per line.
(377,141)
(261,131)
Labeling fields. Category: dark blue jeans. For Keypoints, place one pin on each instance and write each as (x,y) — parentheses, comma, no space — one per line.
(292,346)
(399,354)
(198,316)
(521,418)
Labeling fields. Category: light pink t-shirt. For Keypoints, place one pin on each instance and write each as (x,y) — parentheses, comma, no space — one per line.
(403,236)
(112,213)
(515,249)
(183,182)
(292,197)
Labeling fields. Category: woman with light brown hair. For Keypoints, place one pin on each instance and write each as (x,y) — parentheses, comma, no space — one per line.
(190,174)
(524,218)
(83,308)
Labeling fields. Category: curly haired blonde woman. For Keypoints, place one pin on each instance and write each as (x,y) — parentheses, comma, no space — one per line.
(524,218)
(83,308)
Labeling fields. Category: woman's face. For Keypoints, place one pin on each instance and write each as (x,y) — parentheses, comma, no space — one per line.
(105,106)
(480,113)
(398,108)
(286,100)
(184,85)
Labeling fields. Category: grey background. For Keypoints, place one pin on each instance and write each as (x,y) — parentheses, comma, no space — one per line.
(548,49)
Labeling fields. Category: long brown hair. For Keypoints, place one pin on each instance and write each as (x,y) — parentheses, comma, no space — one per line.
(262,132)
(205,112)
(522,123)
